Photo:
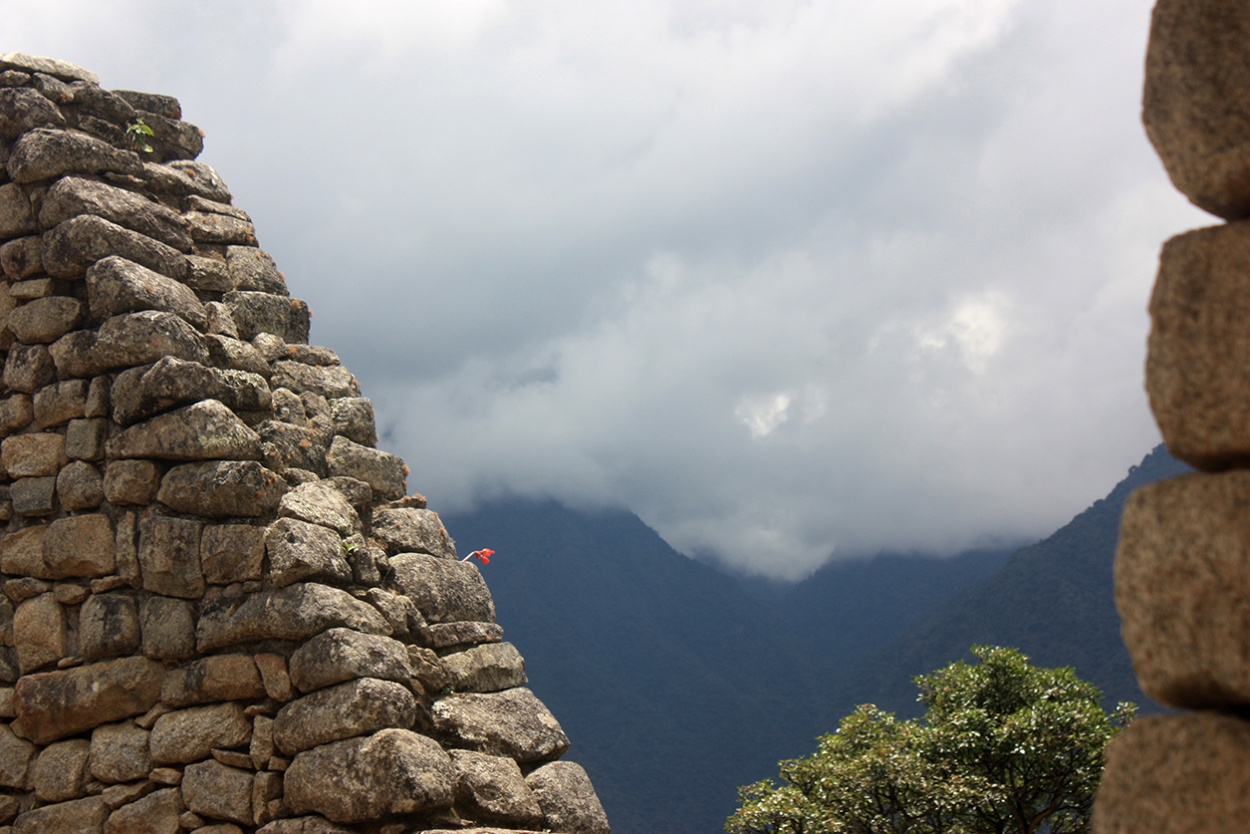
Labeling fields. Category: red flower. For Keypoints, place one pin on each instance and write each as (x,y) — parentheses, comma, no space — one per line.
(483,555)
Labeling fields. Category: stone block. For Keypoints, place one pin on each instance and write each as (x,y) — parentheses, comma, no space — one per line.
(512,723)
(330,382)
(44,320)
(383,472)
(80,486)
(354,419)
(232,553)
(259,312)
(220,489)
(143,392)
(168,627)
(28,368)
(1197,343)
(60,402)
(23,109)
(346,710)
(216,791)
(207,227)
(127,341)
(79,815)
(487,668)
(342,654)
(47,153)
(568,800)
(218,677)
(275,677)
(1194,107)
(32,455)
(189,735)
(443,589)
(81,545)
(209,275)
(169,556)
(1182,577)
(74,245)
(320,503)
(55,705)
(447,635)
(407,530)
(21,553)
(17,218)
(253,270)
(40,632)
(157,813)
(60,771)
(22,258)
(119,753)
(286,446)
(300,551)
(72,196)
(108,626)
(1176,774)
(491,789)
(296,612)
(364,779)
(16,413)
(16,755)
(85,439)
(207,430)
(131,481)
(116,285)
(33,497)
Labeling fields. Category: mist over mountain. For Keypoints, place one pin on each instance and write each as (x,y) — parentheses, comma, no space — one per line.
(677,683)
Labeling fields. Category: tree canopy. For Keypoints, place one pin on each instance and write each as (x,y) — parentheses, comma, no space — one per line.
(1003,748)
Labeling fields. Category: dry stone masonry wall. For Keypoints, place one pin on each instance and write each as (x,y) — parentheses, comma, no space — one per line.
(220,612)
(1183,566)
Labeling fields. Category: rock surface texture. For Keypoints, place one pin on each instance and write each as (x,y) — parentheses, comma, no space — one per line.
(1183,563)
(221,612)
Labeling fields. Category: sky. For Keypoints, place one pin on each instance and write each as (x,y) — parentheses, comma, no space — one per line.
(790,280)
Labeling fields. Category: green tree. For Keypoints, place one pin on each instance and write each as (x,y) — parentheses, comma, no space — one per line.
(1003,748)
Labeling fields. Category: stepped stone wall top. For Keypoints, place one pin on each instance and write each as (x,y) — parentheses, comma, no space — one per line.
(221,610)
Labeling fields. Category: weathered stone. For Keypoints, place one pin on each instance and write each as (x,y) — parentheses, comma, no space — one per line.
(207,430)
(214,790)
(45,153)
(355,708)
(21,553)
(228,352)
(303,825)
(131,481)
(39,288)
(119,753)
(512,723)
(343,654)
(75,244)
(156,813)
(60,402)
(295,612)
(443,589)
(16,755)
(207,227)
(219,677)
(261,748)
(188,735)
(28,368)
(487,668)
(329,382)
(253,270)
(72,196)
(84,439)
(56,91)
(45,320)
(568,799)
(391,772)
(22,110)
(259,312)
(201,179)
(48,66)
(108,626)
(22,258)
(1197,343)
(232,553)
(16,412)
(382,471)
(163,105)
(98,397)
(60,771)
(354,419)
(1193,107)
(492,789)
(80,486)
(300,551)
(54,705)
(427,668)
(446,635)
(143,392)
(168,627)
(320,503)
(80,545)
(274,676)
(209,275)
(126,341)
(412,531)
(270,346)
(287,446)
(116,285)
(32,455)
(78,816)
(1176,774)
(169,556)
(40,632)
(1181,584)
(220,489)
(17,218)
(174,139)
(34,496)
(401,613)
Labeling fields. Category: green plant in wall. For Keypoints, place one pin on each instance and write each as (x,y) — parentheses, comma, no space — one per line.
(139,135)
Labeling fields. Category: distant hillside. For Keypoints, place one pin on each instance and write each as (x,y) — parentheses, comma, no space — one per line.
(1054,600)
(674,684)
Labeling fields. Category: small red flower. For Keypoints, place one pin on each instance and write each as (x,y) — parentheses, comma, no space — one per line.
(483,555)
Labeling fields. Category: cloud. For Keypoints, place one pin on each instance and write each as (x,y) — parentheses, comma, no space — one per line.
(786,279)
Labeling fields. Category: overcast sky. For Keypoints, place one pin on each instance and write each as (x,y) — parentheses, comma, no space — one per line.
(784,278)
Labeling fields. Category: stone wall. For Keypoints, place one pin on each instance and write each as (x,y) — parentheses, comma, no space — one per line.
(220,612)
(1183,566)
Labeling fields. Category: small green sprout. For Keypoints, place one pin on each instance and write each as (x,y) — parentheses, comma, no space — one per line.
(349,547)
(139,133)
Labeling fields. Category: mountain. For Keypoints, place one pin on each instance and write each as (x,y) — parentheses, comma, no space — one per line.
(676,684)
(1054,600)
